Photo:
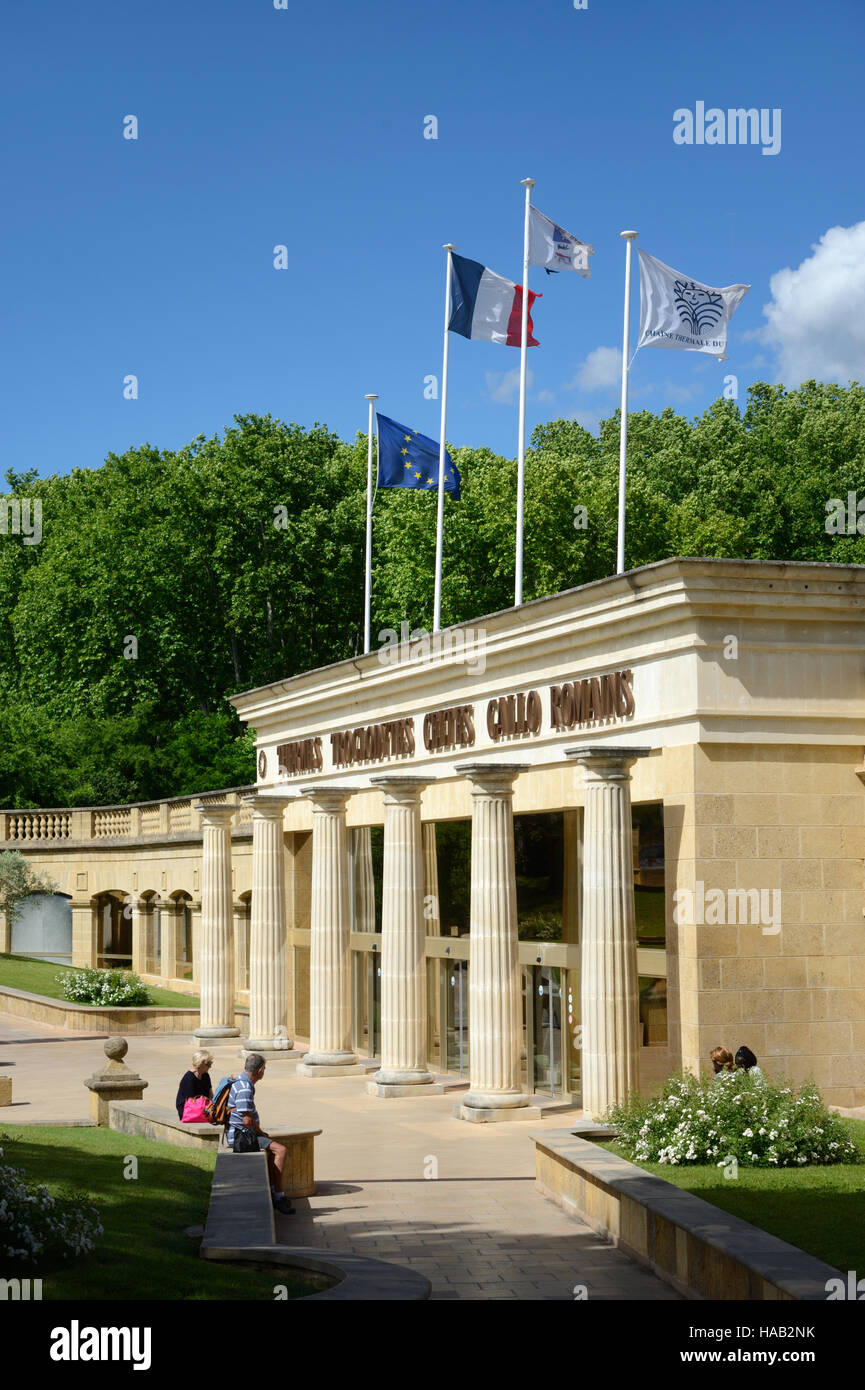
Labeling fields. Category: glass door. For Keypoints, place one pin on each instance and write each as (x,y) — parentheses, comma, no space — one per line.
(546,1018)
(457,1016)
(374,1004)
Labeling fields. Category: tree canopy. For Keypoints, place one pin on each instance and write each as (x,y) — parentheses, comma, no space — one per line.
(166,580)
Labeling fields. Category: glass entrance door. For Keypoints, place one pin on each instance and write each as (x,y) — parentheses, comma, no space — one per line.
(545,1034)
(457,1016)
(366,1002)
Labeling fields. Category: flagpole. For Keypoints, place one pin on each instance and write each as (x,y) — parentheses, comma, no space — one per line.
(440,511)
(623,437)
(528,185)
(367,588)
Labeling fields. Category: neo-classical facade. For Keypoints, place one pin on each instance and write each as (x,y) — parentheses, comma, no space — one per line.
(721,702)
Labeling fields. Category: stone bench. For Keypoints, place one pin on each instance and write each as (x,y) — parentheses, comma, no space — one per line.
(240,1211)
(160,1122)
(701,1250)
(240,1228)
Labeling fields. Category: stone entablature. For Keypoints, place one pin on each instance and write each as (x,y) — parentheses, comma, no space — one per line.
(677,653)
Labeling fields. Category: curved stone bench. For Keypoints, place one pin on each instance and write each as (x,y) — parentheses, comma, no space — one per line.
(240,1227)
(701,1250)
(360,1280)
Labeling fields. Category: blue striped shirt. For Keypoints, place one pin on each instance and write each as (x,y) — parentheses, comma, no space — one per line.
(241,1099)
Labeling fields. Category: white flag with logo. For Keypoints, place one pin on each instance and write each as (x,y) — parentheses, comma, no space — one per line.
(678,312)
(554,248)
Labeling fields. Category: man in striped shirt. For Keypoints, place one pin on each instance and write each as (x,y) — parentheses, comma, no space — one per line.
(243,1115)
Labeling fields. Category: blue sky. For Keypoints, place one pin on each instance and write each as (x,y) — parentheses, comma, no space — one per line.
(304,127)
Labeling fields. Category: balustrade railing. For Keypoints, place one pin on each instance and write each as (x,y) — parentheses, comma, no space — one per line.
(157,819)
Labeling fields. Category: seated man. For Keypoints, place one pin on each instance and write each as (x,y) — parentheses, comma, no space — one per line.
(244,1115)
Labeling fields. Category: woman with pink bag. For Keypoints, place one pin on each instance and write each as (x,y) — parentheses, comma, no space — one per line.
(195,1089)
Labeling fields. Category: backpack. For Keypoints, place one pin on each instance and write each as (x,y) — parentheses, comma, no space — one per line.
(217,1110)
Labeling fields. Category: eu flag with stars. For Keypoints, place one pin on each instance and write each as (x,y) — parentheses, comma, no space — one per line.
(409,459)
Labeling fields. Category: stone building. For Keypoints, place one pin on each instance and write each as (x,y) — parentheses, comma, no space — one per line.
(623,822)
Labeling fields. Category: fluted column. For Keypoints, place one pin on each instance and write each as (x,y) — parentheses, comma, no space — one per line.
(495,1017)
(360,841)
(216,946)
(404,1070)
(330,1051)
(609,991)
(268,1033)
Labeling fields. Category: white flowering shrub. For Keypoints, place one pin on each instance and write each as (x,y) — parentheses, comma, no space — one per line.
(737,1115)
(35,1226)
(103,987)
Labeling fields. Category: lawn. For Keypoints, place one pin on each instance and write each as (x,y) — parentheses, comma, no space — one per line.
(144,1253)
(820,1209)
(38,977)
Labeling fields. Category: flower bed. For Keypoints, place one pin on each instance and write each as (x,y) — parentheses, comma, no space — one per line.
(103,987)
(736,1117)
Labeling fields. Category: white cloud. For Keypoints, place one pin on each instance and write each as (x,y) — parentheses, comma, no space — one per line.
(816,317)
(544,396)
(502,387)
(601,370)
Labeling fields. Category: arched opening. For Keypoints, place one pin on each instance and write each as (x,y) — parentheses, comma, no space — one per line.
(242,910)
(114,930)
(176,940)
(42,928)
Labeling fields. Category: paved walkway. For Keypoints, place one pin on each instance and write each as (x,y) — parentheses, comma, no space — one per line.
(399,1180)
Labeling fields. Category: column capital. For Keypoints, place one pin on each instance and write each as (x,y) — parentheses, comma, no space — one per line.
(220,813)
(491,778)
(400,790)
(269,808)
(326,798)
(607,763)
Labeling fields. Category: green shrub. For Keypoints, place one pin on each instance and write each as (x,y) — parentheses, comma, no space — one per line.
(103,987)
(737,1115)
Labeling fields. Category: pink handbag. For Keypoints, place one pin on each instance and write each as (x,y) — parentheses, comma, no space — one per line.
(193,1110)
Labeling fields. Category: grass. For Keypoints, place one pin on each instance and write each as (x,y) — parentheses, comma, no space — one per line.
(820,1209)
(38,977)
(144,1253)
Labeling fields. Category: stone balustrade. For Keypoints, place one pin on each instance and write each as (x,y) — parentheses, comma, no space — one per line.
(147,819)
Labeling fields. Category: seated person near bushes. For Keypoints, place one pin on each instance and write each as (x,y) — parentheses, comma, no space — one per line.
(722,1060)
(746,1061)
(195,1082)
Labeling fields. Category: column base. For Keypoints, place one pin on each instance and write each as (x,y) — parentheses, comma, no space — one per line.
(316,1069)
(495,1114)
(395,1076)
(388,1090)
(214,1034)
(269,1052)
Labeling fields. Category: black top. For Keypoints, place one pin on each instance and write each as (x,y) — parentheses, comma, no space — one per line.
(190,1087)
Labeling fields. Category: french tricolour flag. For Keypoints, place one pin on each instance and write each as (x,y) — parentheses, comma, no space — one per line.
(485,305)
